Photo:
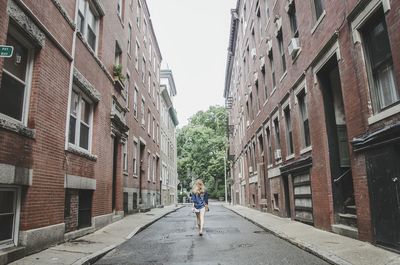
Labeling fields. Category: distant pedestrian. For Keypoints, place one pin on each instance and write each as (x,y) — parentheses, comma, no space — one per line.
(199,197)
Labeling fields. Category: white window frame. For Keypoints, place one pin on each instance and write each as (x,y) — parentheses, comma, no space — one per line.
(149,160)
(28,77)
(119,4)
(357,23)
(125,157)
(137,51)
(78,122)
(88,6)
(16,211)
(135,156)
(135,101)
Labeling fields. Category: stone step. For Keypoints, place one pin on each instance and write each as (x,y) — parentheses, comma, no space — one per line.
(351,209)
(345,230)
(11,254)
(348,219)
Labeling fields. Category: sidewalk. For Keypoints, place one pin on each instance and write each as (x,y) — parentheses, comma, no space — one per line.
(333,248)
(93,246)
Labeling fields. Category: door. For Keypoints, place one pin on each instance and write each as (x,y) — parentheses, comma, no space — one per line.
(85,209)
(383,171)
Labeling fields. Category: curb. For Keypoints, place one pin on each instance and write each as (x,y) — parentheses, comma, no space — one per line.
(92,258)
(326,256)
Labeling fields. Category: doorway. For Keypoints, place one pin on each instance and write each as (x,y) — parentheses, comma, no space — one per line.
(114,176)
(338,143)
(85,209)
(383,171)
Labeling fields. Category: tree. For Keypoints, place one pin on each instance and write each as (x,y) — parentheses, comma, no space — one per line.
(201,149)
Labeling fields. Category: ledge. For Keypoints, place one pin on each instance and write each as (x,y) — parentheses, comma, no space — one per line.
(64,13)
(86,86)
(296,166)
(13,126)
(76,151)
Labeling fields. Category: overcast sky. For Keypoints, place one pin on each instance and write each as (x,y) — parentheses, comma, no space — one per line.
(193,37)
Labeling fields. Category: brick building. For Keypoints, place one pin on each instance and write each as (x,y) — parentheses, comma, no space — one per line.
(79,119)
(312,90)
(169,121)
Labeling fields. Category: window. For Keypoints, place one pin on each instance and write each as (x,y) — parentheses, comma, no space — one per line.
(138,14)
(117,54)
(143,70)
(119,8)
(305,130)
(267,9)
(137,50)
(158,133)
(129,38)
(277,134)
(318,8)
(135,98)
(15,81)
(251,107)
(8,198)
(148,166)
(142,112)
(258,98)
(154,128)
(149,83)
(154,168)
(272,66)
(148,122)
(269,146)
(282,52)
(289,131)
(125,157)
(381,73)
(293,20)
(80,120)
(134,161)
(88,23)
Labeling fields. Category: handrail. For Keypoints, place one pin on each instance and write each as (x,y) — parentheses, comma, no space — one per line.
(336,180)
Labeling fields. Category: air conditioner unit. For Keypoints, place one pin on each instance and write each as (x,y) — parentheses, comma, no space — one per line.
(294,46)
(251,169)
(269,47)
(278,154)
(248,123)
(253,53)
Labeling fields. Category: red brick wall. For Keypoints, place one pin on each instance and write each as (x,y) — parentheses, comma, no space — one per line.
(71,221)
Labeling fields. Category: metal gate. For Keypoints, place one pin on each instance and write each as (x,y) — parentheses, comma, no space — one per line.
(383,169)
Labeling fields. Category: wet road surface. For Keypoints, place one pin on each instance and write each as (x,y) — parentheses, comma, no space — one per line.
(227,239)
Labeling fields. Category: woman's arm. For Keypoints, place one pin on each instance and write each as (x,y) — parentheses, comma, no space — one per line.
(206,197)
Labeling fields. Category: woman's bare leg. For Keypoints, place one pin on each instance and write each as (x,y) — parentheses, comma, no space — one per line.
(202,212)
(198,220)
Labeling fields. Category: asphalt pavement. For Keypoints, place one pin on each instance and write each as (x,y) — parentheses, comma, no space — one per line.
(227,239)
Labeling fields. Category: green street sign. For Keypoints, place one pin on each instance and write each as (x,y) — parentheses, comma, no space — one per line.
(6,51)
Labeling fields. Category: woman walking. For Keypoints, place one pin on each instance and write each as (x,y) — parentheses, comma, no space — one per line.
(200,203)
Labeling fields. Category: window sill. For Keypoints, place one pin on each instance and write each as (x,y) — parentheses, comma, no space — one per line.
(12,125)
(283,76)
(81,152)
(290,157)
(273,91)
(135,176)
(318,22)
(306,150)
(148,181)
(125,173)
(297,56)
(265,103)
(384,114)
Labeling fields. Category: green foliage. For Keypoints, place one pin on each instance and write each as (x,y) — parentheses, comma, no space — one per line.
(117,70)
(201,149)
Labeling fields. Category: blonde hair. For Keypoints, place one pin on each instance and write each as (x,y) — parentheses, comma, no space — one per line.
(198,187)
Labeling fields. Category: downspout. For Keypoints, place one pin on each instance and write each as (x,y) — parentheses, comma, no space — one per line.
(71,76)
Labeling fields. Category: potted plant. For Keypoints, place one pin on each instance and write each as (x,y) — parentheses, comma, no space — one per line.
(117,70)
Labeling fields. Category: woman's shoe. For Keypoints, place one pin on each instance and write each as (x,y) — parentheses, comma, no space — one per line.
(201,234)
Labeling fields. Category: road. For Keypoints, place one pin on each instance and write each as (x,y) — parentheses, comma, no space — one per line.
(228,239)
